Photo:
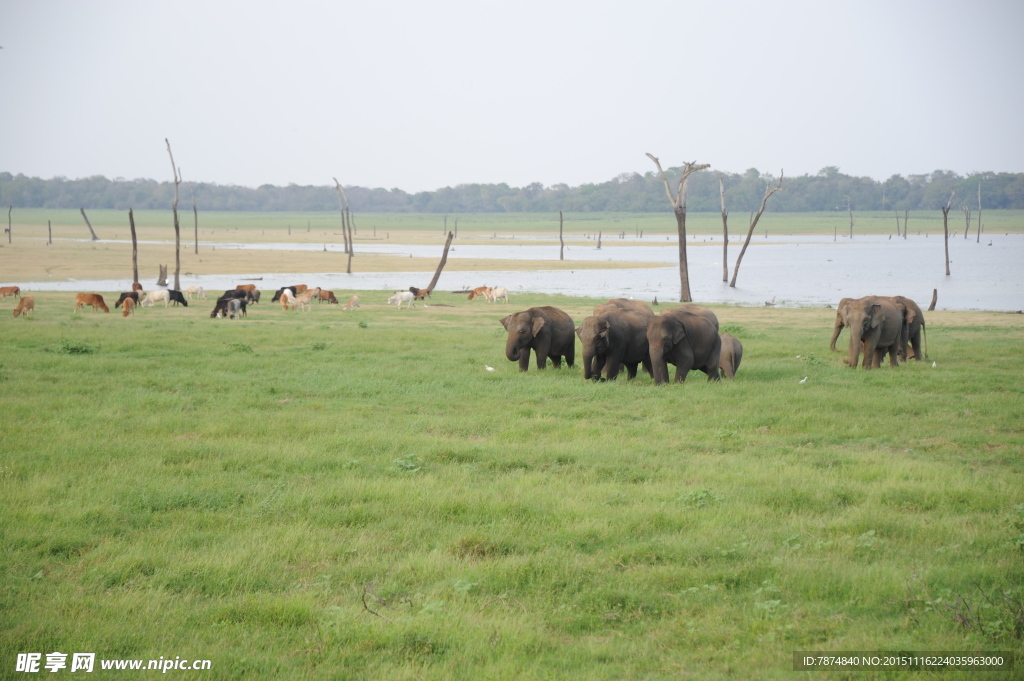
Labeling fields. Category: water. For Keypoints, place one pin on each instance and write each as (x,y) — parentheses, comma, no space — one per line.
(786,270)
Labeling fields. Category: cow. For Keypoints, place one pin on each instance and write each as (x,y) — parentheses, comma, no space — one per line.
(236,309)
(176,297)
(305,300)
(154,297)
(402,297)
(128,306)
(299,289)
(196,292)
(136,286)
(93,299)
(134,295)
(26,305)
(496,293)
(479,291)
(246,287)
(287,299)
(419,293)
(253,297)
(233,293)
(221,308)
(277,296)
(328,296)
(10,291)
(352,303)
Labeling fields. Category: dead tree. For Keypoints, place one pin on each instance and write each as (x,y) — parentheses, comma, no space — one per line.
(935,299)
(195,214)
(440,265)
(10,227)
(679,207)
(599,241)
(725,230)
(849,210)
(135,247)
(945,227)
(753,223)
(906,219)
(162,281)
(177,226)
(967,220)
(49,231)
(343,207)
(561,249)
(89,225)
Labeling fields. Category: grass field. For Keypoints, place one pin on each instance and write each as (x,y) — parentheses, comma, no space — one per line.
(351,495)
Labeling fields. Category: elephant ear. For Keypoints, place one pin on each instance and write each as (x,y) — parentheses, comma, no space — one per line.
(505,322)
(911,316)
(678,333)
(579,332)
(877,315)
(603,327)
(538,322)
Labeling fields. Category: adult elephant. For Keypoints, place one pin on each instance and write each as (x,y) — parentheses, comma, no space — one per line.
(688,340)
(623,304)
(876,328)
(839,324)
(614,339)
(548,331)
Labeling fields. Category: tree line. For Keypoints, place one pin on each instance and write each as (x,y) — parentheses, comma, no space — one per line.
(827,190)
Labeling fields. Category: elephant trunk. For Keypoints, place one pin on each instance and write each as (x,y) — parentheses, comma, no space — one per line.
(659,368)
(588,365)
(855,348)
(512,349)
(835,335)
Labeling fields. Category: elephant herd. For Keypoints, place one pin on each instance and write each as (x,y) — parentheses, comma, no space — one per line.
(880,325)
(625,334)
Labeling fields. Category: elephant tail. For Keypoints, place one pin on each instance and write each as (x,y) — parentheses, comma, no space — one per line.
(924,331)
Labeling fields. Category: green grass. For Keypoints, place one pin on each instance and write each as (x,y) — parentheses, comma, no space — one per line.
(172,485)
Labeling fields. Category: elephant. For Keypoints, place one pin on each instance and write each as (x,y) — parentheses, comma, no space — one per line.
(614,339)
(547,331)
(876,328)
(912,331)
(688,340)
(732,354)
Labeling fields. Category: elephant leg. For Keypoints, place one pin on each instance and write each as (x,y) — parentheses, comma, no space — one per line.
(542,349)
(648,366)
(612,367)
(915,342)
(835,335)
(631,370)
(570,356)
(524,359)
(599,364)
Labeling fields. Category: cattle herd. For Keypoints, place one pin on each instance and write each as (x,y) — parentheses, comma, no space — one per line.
(621,334)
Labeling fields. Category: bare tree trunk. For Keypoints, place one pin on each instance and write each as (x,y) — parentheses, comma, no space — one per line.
(599,241)
(89,225)
(979,211)
(177,225)
(342,206)
(906,219)
(10,227)
(753,223)
(935,299)
(945,227)
(135,248)
(49,231)
(195,214)
(850,211)
(561,249)
(678,202)
(440,265)
(725,230)
(967,220)
(351,250)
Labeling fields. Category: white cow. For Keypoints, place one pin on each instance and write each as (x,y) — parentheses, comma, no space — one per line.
(402,297)
(154,296)
(195,292)
(496,293)
(287,299)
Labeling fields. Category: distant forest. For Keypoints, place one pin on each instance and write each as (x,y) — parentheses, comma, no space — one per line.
(826,191)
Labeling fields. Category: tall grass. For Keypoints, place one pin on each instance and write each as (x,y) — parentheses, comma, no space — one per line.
(353,495)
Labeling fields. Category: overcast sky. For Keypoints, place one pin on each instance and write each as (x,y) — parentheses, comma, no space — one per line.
(422,95)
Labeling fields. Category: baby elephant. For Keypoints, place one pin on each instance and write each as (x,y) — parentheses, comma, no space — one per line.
(732,353)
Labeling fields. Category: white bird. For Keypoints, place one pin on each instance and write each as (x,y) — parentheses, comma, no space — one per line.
(489,368)
(934,365)
(804,380)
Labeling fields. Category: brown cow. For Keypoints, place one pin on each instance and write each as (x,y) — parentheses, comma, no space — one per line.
(93,299)
(479,291)
(419,293)
(300,289)
(136,286)
(128,307)
(246,287)
(352,303)
(328,296)
(10,291)
(27,304)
